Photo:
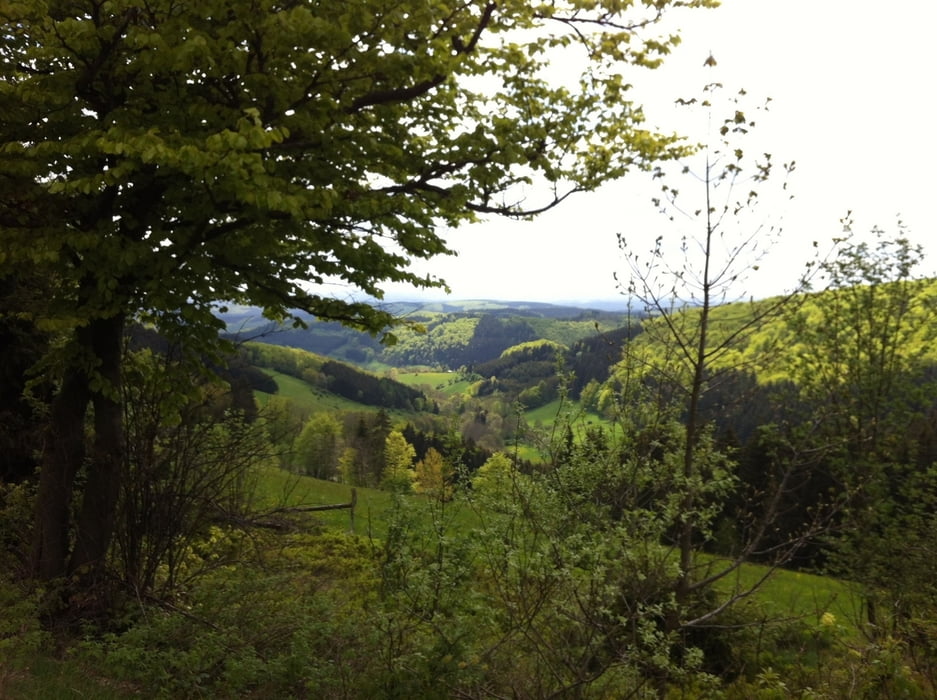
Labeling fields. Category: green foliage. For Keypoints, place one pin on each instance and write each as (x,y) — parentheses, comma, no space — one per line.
(160,159)
(777,350)
(863,357)
(446,383)
(348,466)
(351,383)
(157,158)
(323,375)
(456,340)
(529,373)
(437,339)
(278,630)
(256,129)
(302,399)
(190,460)
(442,340)
(294,362)
(433,476)
(21,635)
(692,343)
(517,597)
(398,474)
(496,476)
(319,446)
(17,501)
(862,350)
(534,347)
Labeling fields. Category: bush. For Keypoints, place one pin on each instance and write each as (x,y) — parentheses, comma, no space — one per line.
(287,627)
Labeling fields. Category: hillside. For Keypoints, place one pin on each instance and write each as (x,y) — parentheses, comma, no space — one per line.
(445,335)
(478,365)
(772,348)
(322,376)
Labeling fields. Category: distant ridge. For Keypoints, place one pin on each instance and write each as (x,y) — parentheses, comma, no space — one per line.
(617,304)
(238,317)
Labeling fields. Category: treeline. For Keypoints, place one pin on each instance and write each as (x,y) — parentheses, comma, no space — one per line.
(328,338)
(351,446)
(365,388)
(460,341)
(591,358)
(338,378)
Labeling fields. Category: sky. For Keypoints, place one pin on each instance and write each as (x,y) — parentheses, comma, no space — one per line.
(853,103)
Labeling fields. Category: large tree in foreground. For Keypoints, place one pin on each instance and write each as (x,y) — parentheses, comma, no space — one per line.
(158,157)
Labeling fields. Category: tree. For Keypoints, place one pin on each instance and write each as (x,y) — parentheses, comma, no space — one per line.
(432,475)
(348,466)
(159,158)
(398,472)
(319,446)
(689,346)
(862,358)
(496,475)
(366,435)
(863,344)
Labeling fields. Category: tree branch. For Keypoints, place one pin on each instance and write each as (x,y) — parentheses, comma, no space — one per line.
(405,94)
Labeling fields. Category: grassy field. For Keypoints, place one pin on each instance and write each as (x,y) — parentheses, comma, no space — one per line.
(445,383)
(279,488)
(785,594)
(794,594)
(308,399)
(545,417)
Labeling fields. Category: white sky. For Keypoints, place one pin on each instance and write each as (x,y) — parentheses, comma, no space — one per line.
(853,87)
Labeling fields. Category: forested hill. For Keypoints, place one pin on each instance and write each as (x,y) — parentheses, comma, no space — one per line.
(448,335)
(514,351)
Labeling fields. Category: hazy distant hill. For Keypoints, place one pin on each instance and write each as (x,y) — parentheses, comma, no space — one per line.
(447,334)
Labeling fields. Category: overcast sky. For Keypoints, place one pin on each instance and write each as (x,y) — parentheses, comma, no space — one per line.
(852,84)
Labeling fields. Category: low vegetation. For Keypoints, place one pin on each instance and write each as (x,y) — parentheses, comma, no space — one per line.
(413,600)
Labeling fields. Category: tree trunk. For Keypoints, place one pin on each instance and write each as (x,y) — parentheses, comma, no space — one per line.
(63,453)
(105,468)
(97,346)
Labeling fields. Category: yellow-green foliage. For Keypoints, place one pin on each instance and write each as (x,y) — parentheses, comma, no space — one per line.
(770,348)
(533,345)
(495,475)
(567,332)
(433,476)
(327,614)
(292,361)
(440,335)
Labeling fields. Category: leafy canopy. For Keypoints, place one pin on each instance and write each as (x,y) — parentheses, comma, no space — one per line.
(161,156)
